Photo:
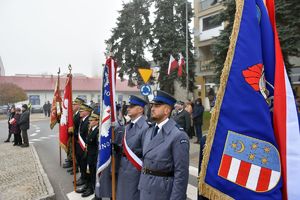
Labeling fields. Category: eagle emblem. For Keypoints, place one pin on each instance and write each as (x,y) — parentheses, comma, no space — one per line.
(255,77)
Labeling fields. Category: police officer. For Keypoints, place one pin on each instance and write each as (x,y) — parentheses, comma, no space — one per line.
(76,120)
(84,112)
(165,154)
(92,153)
(129,175)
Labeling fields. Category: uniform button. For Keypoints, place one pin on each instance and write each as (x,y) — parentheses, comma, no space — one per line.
(150,177)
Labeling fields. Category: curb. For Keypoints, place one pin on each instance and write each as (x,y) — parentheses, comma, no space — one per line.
(51,195)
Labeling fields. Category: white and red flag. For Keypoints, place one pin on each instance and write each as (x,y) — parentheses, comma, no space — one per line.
(56,106)
(181,65)
(173,64)
(286,126)
(66,121)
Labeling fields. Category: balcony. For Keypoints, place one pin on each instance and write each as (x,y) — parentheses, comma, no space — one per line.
(206,4)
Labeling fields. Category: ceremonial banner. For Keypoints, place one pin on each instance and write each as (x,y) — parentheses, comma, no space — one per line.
(56,105)
(66,121)
(252,148)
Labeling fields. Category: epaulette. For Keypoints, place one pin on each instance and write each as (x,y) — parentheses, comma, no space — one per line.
(179,127)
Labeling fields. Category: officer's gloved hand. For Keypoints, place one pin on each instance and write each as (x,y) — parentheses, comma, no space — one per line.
(116,149)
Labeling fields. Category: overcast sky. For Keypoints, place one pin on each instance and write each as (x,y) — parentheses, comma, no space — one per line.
(38,36)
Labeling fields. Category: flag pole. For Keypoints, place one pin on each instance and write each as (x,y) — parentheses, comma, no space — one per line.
(113,166)
(59,128)
(186,50)
(73,142)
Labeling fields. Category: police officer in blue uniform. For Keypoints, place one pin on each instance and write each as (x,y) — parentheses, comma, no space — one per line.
(165,154)
(129,175)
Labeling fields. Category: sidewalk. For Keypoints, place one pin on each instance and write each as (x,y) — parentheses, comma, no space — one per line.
(22,175)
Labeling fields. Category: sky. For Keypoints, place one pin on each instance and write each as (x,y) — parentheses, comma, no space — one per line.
(38,36)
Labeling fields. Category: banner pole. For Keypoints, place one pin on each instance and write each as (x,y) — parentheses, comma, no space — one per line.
(74,161)
(59,155)
(113,167)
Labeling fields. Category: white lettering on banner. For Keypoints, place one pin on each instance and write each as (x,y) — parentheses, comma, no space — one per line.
(105,145)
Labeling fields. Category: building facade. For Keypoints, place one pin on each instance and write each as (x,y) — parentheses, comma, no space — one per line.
(206,29)
(39,89)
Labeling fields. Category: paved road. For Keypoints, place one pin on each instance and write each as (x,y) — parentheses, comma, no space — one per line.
(46,144)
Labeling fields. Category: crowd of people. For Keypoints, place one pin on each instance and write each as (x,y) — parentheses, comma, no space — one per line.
(160,142)
(18,124)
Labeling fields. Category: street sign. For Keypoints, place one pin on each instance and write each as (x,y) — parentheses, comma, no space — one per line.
(145,90)
(145,74)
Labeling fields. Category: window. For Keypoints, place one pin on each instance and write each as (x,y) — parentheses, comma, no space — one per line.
(211,22)
(34,99)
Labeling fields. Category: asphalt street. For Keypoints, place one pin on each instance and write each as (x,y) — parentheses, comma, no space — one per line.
(45,141)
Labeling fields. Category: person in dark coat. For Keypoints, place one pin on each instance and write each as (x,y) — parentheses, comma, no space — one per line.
(198,118)
(85,111)
(15,128)
(24,124)
(92,143)
(129,175)
(10,117)
(182,117)
(165,170)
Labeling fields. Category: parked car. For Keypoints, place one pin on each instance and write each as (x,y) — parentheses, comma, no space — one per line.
(36,109)
(4,109)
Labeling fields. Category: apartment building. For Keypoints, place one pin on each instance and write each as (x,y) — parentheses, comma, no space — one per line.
(205,31)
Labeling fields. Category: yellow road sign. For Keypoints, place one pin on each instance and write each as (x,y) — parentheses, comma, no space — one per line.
(145,74)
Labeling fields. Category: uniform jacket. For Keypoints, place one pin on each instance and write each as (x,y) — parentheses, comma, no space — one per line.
(92,146)
(76,121)
(183,119)
(168,151)
(84,128)
(129,176)
(24,120)
(11,115)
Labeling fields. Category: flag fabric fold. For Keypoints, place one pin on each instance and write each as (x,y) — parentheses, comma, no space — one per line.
(107,119)
(56,105)
(253,140)
(66,121)
(173,64)
(181,65)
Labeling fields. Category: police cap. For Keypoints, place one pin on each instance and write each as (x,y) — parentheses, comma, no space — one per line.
(161,97)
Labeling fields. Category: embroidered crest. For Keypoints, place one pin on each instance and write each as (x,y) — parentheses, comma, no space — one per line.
(250,163)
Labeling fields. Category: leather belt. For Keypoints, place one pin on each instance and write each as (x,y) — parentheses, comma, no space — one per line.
(157,173)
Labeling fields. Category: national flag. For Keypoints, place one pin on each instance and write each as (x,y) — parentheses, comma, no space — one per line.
(181,65)
(56,106)
(66,121)
(173,64)
(252,148)
(285,118)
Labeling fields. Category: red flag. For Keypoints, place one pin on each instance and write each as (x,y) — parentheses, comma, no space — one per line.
(181,64)
(112,66)
(173,64)
(66,121)
(56,105)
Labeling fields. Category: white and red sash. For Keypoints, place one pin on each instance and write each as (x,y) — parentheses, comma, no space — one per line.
(135,161)
(81,143)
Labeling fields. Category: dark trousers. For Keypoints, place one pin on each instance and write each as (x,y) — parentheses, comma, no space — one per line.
(92,175)
(198,129)
(25,137)
(9,136)
(81,160)
(18,139)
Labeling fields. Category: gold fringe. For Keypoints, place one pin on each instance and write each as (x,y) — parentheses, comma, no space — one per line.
(52,124)
(71,130)
(205,189)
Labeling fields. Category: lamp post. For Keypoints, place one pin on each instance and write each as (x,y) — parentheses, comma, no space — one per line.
(186,49)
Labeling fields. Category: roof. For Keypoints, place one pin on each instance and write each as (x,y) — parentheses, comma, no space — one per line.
(47,83)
